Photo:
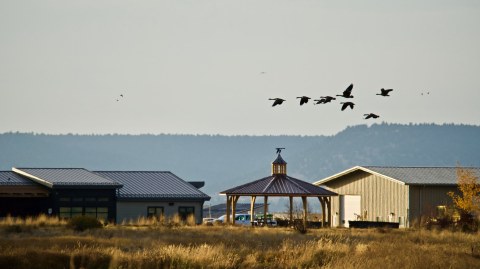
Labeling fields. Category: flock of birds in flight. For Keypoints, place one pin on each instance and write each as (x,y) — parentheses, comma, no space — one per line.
(327,99)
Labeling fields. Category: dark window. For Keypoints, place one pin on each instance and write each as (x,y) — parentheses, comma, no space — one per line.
(77,199)
(185,211)
(64,199)
(154,211)
(102,199)
(90,199)
(100,213)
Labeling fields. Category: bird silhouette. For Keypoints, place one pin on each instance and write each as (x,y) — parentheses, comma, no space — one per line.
(324,100)
(370,115)
(347,104)
(384,92)
(348,92)
(277,101)
(303,100)
(279,150)
(121,95)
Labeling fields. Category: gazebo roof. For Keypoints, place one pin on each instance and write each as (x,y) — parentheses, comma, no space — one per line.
(279,185)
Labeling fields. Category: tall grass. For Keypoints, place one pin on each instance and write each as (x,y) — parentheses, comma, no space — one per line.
(40,220)
(182,246)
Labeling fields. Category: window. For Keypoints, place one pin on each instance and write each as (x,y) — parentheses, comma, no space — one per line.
(90,199)
(155,211)
(65,212)
(77,211)
(100,213)
(77,199)
(64,199)
(103,199)
(185,211)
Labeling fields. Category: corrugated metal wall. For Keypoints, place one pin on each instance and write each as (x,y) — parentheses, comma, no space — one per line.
(379,196)
(425,199)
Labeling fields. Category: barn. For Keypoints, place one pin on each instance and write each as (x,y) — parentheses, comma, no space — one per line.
(390,194)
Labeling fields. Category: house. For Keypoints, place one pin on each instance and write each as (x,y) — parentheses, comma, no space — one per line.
(156,193)
(107,195)
(392,194)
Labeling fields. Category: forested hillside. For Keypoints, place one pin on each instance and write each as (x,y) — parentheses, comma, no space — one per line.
(226,161)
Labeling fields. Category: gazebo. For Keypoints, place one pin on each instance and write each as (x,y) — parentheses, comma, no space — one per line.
(279,184)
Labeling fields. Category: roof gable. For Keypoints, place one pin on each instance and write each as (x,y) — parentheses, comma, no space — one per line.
(408,175)
(153,185)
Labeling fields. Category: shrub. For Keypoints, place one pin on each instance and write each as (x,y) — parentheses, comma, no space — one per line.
(82,223)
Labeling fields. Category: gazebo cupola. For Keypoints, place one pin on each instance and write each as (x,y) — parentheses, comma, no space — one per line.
(279,166)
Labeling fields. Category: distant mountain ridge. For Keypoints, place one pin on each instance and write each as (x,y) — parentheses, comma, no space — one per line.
(227,161)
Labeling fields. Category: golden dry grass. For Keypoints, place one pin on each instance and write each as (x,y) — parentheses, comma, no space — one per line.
(234,247)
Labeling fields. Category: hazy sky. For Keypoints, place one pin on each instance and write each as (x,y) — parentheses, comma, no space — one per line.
(195,67)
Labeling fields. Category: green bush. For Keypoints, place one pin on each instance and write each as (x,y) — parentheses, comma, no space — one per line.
(82,223)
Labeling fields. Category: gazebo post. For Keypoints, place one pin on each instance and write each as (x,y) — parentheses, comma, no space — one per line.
(229,203)
(291,210)
(234,206)
(265,211)
(304,200)
(252,209)
(322,203)
(329,205)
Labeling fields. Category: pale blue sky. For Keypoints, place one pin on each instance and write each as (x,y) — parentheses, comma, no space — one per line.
(195,66)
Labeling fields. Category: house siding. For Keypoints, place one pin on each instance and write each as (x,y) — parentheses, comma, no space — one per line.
(132,210)
(379,196)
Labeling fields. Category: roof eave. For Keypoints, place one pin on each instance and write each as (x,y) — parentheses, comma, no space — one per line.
(353,169)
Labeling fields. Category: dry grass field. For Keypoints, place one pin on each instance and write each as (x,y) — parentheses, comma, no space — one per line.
(49,243)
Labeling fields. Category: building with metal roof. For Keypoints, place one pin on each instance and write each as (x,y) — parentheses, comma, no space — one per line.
(155,193)
(397,194)
(108,195)
(279,184)
(65,192)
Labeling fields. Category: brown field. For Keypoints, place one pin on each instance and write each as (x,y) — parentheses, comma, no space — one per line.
(48,243)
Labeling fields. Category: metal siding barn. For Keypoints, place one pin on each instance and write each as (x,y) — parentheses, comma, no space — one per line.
(378,196)
(394,194)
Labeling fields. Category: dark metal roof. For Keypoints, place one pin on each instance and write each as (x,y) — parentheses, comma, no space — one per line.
(279,160)
(408,175)
(153,185)
(66,177)
(279,185)
(12,179)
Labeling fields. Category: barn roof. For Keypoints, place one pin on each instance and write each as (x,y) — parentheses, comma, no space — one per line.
(408,175)
(279,185)
(66,177)
(158,185)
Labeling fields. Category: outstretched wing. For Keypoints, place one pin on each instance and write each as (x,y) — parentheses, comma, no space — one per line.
(349,89)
